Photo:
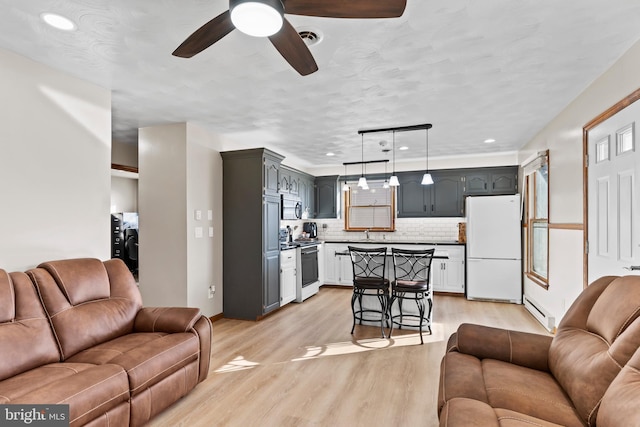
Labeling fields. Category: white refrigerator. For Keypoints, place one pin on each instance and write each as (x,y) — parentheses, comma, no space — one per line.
(494,250)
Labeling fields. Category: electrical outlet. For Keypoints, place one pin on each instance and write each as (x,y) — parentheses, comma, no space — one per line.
(212,290)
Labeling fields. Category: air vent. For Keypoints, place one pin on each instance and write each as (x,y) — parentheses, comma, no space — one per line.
(310,37)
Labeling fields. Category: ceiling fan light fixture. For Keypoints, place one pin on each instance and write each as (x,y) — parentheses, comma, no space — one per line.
(257,18)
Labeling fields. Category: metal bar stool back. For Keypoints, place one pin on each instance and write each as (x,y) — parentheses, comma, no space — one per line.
(369,280)
(412,269)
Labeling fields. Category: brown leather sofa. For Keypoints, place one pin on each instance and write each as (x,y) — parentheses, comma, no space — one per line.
(583,376)
(75,332)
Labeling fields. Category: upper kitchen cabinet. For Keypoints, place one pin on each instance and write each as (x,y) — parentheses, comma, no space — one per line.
(414,199)
(326,194)
(306,193)
(251,224)
(271,171)
(289,181)
(444,198)
(447,194)
(491,181)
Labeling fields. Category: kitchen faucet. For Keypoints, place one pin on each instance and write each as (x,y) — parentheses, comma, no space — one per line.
(366,234)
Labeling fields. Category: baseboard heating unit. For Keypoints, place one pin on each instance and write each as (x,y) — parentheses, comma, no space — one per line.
(542,315)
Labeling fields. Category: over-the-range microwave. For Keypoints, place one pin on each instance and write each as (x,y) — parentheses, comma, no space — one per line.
(291,207)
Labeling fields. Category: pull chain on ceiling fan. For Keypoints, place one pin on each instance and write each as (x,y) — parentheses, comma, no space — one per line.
(270,22)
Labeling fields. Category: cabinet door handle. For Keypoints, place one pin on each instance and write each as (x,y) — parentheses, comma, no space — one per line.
(485,185)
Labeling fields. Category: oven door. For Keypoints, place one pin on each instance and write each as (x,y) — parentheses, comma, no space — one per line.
(309,264)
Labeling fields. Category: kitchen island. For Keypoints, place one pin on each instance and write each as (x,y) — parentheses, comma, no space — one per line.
(447,269)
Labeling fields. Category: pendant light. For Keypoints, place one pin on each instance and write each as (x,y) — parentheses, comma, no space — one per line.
(362,182)
(345,187)
(426,178)
(393,181)
(386,181)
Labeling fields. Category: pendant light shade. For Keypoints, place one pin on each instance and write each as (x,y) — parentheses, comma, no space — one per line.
(426,178)
(258,18)
(393,180)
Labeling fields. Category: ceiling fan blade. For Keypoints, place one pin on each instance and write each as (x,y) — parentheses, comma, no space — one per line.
(293,49)
(205,36)
(346,8)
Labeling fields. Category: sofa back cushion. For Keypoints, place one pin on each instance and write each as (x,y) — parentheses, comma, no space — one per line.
(89,302)
(620,403)
(596,338)
(25,333)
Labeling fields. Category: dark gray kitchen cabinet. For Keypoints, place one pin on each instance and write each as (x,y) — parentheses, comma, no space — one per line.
(306,192)
(443,198)
(289,181)
(271,171)
(414,199)
(271,265)
(491,181)
(447,195)
(251,222)
(326,195)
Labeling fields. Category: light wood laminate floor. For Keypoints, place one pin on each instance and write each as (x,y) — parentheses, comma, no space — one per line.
(302,367)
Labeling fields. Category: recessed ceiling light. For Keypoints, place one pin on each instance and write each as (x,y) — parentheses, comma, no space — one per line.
(489,141)
(331,154)
(403,148)
(58,21)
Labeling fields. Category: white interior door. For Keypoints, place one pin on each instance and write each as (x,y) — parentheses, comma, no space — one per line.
(614,214)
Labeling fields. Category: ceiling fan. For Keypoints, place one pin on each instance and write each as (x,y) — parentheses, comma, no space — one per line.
(265,18)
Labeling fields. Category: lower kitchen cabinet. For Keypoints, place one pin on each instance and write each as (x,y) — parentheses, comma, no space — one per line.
(337,265)
(288,276)
(447,274)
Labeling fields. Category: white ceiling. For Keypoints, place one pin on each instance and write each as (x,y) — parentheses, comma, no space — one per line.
(474,69)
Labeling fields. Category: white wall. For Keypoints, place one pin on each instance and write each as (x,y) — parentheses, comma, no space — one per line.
(180,172)
(563,138)
(55,156)
(124,153)
(124,194)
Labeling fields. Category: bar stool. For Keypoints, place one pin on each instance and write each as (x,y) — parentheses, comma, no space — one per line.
(411,282)
(369,279)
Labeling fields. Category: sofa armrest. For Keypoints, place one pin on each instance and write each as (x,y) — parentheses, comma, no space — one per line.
(166,319)
(521,348)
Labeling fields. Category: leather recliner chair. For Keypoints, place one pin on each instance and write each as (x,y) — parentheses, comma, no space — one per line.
(494,377)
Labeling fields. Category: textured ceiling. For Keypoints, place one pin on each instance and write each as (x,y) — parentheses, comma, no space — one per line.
(474,69)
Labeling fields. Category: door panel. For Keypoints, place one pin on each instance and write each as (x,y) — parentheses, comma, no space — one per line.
(614,207)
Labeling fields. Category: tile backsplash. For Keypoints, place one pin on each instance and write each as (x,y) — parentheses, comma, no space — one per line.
(407,230)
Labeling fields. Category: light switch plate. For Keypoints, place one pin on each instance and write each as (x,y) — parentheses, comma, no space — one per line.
(210,215)
(210,231)
(199,233)
(198,215)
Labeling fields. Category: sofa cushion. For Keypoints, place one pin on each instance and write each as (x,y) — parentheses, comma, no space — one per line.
(597,336)
(505,385)
(461,412)
(24,325)
(146,357)
(89,390)
(81,280)
(620,402)
(99,317)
